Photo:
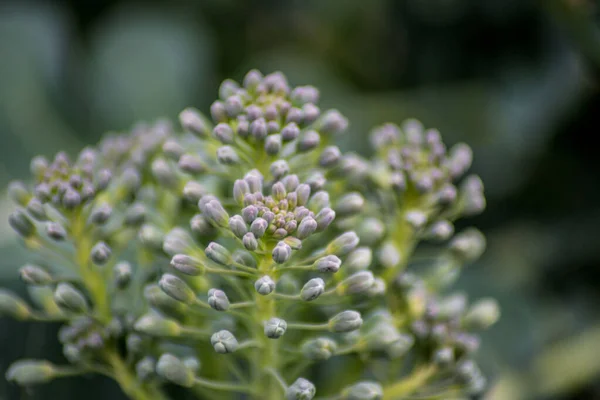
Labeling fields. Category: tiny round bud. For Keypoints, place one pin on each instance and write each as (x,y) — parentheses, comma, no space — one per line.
(100,253)
(223,133)
(346,321)
(349,204)
(238,226)
(388,255)
(69,298)
(366,390)
(218,300)
(11,305)
(56,231)
(154,325)
(482,314)
(174,370)
(330,156)
(186,265)
(359,282)
(240,189)
(324,218)
(332,122)
(279,168)
(71,199)
(163,173)
(306,228)
(122,274)
(343,244)
(191,164)
(34,275)
(21,224)
(216,213)
(227,155)
(259,129)
(258,226)
(290,132)
(200,225)
(151,236)
(144,369)
(252,79)
(135,215)
(172,149)
(193,121)
(264,285)
(359,259)
(282,252)
(273,144)
(218,253)
(312,289)
(100,214)
(328,263)
(443,357)
(468,245)
(319,349)
(308,141)
(301,389)
(31,372)
(224,342)
(36,209)
(275,328)
(250,242)
(176,288)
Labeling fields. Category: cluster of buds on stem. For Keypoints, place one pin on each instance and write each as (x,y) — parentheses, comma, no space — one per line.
(244,253)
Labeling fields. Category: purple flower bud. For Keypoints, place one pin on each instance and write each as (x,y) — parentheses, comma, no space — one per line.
(223,133)
(282,252)
(306,228)
(249,241)
(308,141)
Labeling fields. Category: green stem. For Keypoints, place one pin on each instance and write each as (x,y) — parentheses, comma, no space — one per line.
(410,384)
(128,382)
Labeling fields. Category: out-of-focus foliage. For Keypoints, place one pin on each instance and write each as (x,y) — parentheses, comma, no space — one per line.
(515,79)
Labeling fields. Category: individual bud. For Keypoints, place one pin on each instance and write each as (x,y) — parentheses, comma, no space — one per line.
(227,155)
(172,149)
(264,285)
(38,165)
(350,203)
(258,129)
(377,288)
(357,283)
(228,88)
(135,215)
(31,372)
(468,245)
(275,328)
(359,259)
(252,79)
(290,132)
(233,106)
(71,199)
(324,218)
(330,156)
(318,201)
(193,121)
(218,112)
(308,141)
(281,253)
(21,224)
(293,242)
(329,263)
(69,298)
(174,370)
(312,289)
(346,321)
(259,227)
(398,182)
(459,159)
(295,115)
(240,189)
(191,164)
(305,94)
(163,173)
(343,244)
(440,230)
(36,209)
(100,253)
(253,112)
(218,253)
(34,275)
(177,288)
(303,194)
(416,219)
(316,180)
(332,122)
(238,226)
(444,357)
(12,306)
(56,231)
(218,300)
(216,213)
(134,343)
(319,349)
(273,144)
(223,133)
(472,197)
(154,325)
(366,390)
(151,236)
(279,168)
(482,314)
(224,342)
(200,225)
(250,242)
(389,255)
(193,363)
(145,368)
(446,195)
(100,214)
(301,389)
(122,272)
(278,191)
(187,265)
(306,228)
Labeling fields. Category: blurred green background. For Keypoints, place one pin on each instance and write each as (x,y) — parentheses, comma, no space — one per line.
(518,80)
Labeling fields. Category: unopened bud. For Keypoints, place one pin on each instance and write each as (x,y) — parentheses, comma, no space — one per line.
(218,300)
(31,372)
(34,275)
(218,253)
(324,218)
(332,122)
(346,321)
(174,370)
(359,282)
(36,209)
(21,224)
(122,274)
(264,285)
(329,263)
(359,259)
(69,298)
(250,242)
(101,214)
(482,314)
(388,255)
(177,288)
(468,245)
(100,253)
(366,390)
(281,253)
(301,389)
(154,325)
(56,231)
(343,244)
(312,289)
(227,155)
(224,342)
(279,168)
(319,349)
(11,305)
(193,121)
(223,133)
(275,328)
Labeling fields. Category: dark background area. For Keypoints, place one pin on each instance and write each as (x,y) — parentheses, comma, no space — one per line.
(518,80)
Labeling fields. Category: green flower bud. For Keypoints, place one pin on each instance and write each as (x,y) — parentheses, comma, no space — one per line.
(31,372)
(281,253)
(21,224)
(308,141)
(11,305)
(329,263)
(200,225)
(252,79)
(18,193)
(101,214)
(482,314)
(71,199)
(36,209)
(388,255)
(359,259)
(34,275)
(357,283)
(193,191)
(174,370)
(240,189)
(187,265)
(346,321)
(273,144)
(301,389)
(218,300)
(56,231)
(440,230)
(100,253)
(290,132)
(172,149)
(238,226)
(443,357)
(69,298)
(468,245)
(343,244)
(370,231)
(318,201)
(154,325)
(177,289)
(135,215)
(264,285)
(193,121)
(223,133)
(218,253)
(144,369)
(416,219)
(377,288)
(275,328)
(122,272)
(349,204)
(366,390)
(191,164)
(224,342)
(312,289)
(151,236)
(319,349)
